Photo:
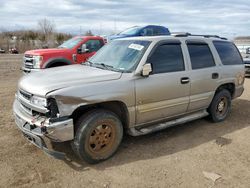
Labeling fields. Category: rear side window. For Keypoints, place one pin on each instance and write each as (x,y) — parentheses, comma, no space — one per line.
(200,55)
(167,58)
(228,53)
(160,31)
(147,31)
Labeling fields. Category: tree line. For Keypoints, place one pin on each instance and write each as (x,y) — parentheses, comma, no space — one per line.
(43,37)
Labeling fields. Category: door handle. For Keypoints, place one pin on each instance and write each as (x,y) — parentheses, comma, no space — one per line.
(215,75)
(185,80)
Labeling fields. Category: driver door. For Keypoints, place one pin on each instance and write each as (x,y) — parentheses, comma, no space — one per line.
(165,92)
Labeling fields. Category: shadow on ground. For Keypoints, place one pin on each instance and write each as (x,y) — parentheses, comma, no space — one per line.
(169,141)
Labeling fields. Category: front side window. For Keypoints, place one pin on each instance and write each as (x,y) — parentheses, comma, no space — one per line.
(200,55)
(147,31)
(120,55)
(167,58)
(93,45)
(228,53)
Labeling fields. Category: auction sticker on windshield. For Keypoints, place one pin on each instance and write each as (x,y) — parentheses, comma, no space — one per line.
(136,47)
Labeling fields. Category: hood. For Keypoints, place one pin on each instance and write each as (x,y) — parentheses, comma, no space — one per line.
(45,51)
(42,82)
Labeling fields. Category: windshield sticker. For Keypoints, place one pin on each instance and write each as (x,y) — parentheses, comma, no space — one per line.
(136,47)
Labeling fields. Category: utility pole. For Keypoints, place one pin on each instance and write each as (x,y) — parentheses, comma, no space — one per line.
(80,30)
(115,25)
(100,28)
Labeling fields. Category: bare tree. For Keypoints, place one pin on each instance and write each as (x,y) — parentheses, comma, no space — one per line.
(61,37)
(88,33)
(46,28)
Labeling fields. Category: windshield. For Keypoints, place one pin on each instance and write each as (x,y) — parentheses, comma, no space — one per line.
(130,31)
(70,43)
(120,55)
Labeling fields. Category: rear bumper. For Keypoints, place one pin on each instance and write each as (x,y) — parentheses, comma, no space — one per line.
(43,136)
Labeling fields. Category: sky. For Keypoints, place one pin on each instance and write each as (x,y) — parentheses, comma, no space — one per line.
(228,18)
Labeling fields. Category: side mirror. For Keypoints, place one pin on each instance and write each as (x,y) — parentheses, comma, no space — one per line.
(79,50)
(83,49)
(146,69)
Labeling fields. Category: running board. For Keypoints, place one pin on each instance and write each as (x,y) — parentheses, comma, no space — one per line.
(157,127)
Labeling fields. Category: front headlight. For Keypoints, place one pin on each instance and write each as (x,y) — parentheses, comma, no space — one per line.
(37,61)
(38,101)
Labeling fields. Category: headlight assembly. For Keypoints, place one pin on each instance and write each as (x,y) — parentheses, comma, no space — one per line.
(37,61)
(38,101)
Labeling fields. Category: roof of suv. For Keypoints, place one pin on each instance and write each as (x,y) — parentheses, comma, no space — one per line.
(176,36)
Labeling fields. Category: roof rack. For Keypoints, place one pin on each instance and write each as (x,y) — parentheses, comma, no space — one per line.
(184,34)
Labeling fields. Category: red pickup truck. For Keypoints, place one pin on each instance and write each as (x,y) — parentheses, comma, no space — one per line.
(73,51)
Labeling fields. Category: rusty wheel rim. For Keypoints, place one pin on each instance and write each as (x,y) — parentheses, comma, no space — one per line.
(102,138)
(222,107)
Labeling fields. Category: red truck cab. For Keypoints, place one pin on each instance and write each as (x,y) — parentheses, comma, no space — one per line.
(74,51)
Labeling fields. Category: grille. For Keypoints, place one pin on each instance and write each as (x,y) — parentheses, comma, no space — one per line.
(28,61)
(26,109)
(24,99)
(25,95)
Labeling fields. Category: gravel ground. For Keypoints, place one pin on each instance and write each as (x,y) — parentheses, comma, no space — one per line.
(176,157)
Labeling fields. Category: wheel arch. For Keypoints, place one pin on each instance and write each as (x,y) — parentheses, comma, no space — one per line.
(228,86)
(117,107)
(56,62)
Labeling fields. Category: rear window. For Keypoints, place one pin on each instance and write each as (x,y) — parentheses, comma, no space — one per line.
(228,53)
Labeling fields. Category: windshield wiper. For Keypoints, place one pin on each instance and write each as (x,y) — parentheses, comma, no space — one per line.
(108,67)
(87,63)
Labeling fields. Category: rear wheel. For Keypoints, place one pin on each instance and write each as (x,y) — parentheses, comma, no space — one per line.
(98,136)
(220,106)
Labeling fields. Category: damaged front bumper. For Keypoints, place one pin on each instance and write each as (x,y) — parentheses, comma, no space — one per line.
(41,132)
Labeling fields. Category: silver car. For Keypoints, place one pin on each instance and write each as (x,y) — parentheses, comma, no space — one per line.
(138,85)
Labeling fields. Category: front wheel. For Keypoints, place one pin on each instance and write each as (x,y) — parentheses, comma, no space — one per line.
(98,136)
(220,106)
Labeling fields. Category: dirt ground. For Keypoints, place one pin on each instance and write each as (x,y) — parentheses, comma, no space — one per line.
(176,157)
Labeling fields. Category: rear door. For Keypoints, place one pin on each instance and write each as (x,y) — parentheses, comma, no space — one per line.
(165,93)
(204,74)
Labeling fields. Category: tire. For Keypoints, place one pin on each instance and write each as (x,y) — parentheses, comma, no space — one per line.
(98,136)
(220,106)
